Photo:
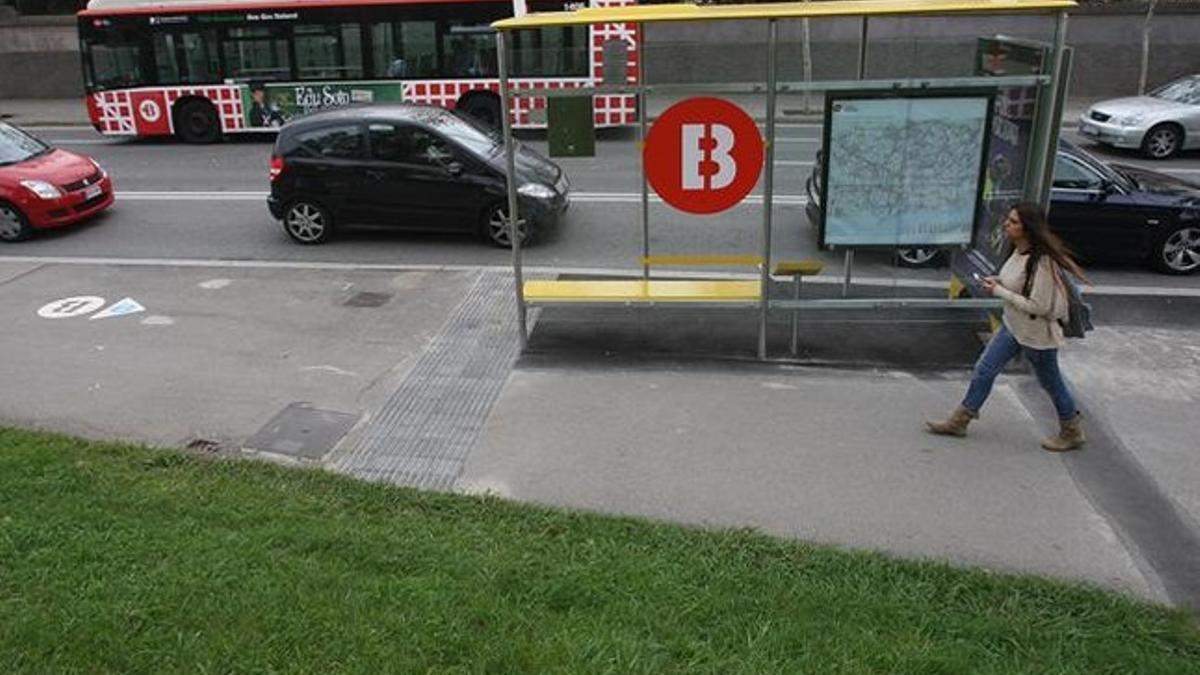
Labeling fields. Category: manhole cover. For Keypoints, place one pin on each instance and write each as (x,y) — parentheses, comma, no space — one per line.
(302,431)
(368,299)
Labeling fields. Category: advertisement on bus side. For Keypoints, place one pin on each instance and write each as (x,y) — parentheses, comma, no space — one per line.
(273,105)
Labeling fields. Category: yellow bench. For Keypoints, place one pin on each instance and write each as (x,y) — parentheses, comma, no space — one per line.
(642,292)
(694,292)
(698,260)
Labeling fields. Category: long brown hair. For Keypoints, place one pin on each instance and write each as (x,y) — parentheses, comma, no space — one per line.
(1044,242)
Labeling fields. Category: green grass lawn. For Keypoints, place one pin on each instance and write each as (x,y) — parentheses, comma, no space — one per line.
(116,559)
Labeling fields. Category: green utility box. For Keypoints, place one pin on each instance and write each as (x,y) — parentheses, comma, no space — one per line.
(570,126)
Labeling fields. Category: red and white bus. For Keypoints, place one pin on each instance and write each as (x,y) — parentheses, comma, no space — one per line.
(202,68)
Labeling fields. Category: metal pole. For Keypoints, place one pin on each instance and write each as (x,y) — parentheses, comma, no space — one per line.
(768,186)
(847,265)
(806,58)
(862,49)
(509,165)
(794,345)
(862,74)
(1046,133)
(641,63)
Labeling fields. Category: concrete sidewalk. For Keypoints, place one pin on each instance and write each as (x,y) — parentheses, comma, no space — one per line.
(34,112)
(413,376)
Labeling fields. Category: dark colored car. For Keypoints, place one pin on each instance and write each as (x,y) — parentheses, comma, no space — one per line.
(408,167)
(1104,212)
(42,187)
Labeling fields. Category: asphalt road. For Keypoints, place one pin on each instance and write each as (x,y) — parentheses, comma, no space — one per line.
(179,201)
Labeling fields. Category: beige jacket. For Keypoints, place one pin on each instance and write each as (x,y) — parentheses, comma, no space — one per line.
(1033,320)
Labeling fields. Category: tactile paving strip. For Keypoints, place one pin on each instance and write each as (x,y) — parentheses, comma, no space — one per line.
(423,433)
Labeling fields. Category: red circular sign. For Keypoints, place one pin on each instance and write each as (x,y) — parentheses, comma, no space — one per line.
(703,155)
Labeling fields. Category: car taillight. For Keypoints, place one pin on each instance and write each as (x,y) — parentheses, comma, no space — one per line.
(276,166)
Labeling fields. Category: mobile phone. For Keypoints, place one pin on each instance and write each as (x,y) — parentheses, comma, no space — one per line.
(976,276)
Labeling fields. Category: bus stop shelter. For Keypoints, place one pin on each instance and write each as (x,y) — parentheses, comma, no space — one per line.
(857,111)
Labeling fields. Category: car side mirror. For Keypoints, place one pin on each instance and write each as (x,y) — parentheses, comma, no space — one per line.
(1107,186)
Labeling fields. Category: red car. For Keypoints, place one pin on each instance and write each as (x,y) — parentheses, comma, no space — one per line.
(43,187)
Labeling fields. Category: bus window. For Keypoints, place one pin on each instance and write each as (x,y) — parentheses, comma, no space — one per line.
(165,53)
(405,49)
(551,52)
(117,60)
(200,58)
(257,53)
(469,50)
(328,51)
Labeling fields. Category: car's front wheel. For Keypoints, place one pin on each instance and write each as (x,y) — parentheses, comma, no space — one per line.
(1178,251)
(13,226)
(307,222)
(1162,141)
(495,227)
(918,257)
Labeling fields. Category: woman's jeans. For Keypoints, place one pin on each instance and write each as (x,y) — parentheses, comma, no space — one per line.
(1003,348)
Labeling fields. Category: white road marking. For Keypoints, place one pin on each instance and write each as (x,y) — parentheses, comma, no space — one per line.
(157,320)
(580,197)
(200,263)
(330,369)
(67,308)
(1163,169)
(119,308)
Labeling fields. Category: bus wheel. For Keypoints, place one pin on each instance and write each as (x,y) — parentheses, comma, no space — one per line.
(196,122)
(483,108)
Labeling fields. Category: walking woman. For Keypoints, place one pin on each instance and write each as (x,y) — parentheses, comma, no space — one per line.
(1035,298)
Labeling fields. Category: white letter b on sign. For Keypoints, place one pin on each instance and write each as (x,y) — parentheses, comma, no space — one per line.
(694,156)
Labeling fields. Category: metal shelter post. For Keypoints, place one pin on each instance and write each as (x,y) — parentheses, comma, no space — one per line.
(641,104)
(768,186)
(806,57)
(862,75)
(1045,140)
(514,235)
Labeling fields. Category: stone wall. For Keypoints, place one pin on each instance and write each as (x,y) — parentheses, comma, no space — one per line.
(39,56)
(1107,48)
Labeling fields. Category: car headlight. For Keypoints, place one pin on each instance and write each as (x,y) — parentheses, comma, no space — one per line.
(1130,120)
(42,189)
(536,190)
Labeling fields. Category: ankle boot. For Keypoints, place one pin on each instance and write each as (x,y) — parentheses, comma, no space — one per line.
(954,425)
(1070,436)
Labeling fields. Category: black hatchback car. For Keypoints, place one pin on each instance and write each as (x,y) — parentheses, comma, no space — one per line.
(408,167)
(1104,212)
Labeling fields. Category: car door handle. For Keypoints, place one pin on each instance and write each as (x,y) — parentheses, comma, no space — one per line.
(375,174)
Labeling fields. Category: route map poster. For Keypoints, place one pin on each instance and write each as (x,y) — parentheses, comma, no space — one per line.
(903,171)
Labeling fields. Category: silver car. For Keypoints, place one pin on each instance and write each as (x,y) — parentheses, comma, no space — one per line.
(1160,123)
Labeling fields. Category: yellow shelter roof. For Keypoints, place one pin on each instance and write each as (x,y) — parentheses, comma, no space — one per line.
(777,10)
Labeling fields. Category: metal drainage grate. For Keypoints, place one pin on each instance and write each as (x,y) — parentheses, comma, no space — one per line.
(301,431)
